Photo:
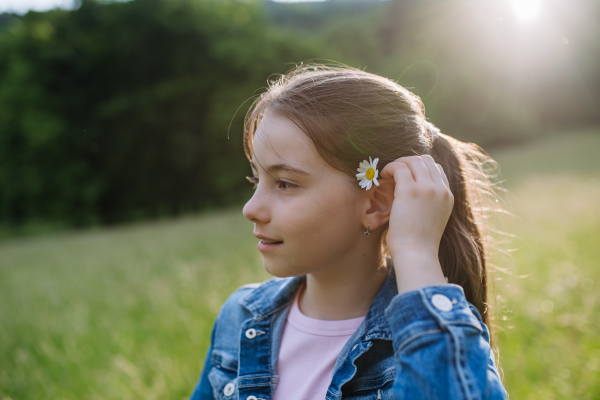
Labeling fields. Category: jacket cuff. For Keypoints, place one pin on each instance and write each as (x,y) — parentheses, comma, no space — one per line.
(437,306)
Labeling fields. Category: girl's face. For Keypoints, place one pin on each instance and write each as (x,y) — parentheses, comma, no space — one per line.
(301,201)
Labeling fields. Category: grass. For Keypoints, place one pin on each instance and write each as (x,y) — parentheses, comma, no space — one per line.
(126,313)
(118,313)
(551,300)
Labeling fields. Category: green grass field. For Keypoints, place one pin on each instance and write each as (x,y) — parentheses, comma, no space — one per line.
(126,313)
(549,328)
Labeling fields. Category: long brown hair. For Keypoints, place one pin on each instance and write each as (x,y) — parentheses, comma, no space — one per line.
(350,114)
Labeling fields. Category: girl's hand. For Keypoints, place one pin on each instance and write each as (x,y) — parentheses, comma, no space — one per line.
(420,211)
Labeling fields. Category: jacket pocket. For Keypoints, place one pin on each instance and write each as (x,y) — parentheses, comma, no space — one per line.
(223,376)
(383,393)
(375,389)
(223,384)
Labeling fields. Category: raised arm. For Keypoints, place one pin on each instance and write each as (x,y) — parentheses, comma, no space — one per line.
(441,344)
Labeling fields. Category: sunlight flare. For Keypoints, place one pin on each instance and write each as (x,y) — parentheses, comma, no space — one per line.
(526,10)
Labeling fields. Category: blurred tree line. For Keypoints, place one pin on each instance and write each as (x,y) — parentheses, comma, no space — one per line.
(118,111)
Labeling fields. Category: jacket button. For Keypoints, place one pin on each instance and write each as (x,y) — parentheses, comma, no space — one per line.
(251,398)
(229,389)
(441,302)
(251,334)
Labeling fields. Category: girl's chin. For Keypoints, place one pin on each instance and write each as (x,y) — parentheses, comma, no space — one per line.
(281,272)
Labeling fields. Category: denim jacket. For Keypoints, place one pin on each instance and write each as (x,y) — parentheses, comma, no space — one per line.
(429,343)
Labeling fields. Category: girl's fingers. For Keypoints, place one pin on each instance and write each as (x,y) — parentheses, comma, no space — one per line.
(418,168)
(422,169)
(444,177)
(434,172)
(398,171)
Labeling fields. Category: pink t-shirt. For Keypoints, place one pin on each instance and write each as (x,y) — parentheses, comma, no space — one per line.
(309,349)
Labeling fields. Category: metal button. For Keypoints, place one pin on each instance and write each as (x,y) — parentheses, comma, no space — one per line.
(441,302)
(251,398)
(229,389)
(251,334)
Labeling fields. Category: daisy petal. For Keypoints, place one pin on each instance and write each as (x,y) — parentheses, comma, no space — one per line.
(366,167)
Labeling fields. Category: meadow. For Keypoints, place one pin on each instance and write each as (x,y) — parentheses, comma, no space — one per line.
(126,312)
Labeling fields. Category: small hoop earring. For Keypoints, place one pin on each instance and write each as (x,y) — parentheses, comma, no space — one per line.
(367,233)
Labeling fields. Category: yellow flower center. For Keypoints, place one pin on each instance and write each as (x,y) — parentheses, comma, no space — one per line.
(370,173)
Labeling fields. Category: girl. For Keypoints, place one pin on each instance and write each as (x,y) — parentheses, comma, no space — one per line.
(379,281)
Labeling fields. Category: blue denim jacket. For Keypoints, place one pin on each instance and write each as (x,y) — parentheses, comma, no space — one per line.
(428,343)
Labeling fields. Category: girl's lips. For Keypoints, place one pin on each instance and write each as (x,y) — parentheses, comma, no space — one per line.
(267,246)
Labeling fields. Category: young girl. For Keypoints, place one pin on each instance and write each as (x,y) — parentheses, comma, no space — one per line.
(368,218)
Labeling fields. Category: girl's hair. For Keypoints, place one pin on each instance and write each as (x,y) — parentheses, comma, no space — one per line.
(350,114)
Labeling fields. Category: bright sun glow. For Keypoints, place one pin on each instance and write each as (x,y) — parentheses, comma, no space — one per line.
(526,9)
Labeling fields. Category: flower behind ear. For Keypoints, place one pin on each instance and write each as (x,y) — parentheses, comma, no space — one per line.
(368,173)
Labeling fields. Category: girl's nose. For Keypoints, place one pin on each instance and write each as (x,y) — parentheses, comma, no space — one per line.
(255,209)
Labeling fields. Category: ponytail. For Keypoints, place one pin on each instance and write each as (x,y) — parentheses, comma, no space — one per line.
(462,252)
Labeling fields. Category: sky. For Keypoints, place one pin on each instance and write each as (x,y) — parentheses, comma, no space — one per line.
(525,9)
(22,6)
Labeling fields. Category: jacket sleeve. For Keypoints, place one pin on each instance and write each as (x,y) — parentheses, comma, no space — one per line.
(203,389)
(441,347)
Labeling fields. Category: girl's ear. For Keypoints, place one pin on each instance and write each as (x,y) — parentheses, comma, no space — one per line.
(379,204)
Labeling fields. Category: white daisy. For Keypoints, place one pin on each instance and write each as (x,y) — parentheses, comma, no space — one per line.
(368,173)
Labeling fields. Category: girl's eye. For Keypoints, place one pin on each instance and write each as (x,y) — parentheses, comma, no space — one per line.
(286,185)
(290,185)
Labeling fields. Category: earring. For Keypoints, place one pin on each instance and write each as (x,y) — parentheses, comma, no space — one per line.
(367,233)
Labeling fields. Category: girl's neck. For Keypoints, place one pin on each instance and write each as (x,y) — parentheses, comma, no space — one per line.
(341,297)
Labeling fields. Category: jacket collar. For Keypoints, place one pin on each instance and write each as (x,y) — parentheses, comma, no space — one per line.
(275,294)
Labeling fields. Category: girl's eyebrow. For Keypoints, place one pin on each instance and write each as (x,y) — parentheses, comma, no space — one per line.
(281,167)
